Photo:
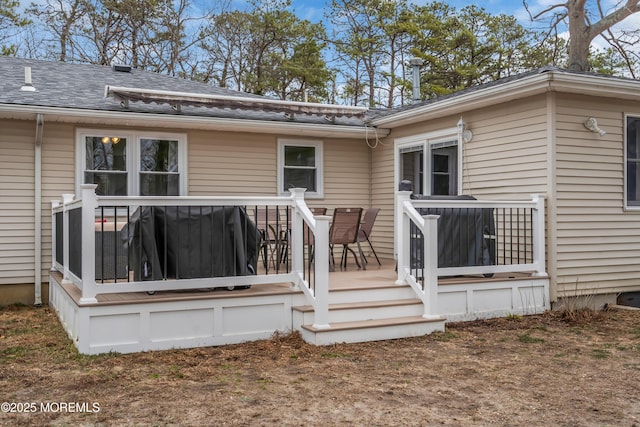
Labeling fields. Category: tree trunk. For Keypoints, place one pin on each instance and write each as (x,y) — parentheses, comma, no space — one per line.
(579,36)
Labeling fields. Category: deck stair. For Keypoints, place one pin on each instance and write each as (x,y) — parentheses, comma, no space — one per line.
(359,314)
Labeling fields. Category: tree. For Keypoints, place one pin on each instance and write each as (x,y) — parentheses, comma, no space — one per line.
(62,19)
(369,41)
(170,50)
(9,20)
(585,24)
(266,50)
(469,47)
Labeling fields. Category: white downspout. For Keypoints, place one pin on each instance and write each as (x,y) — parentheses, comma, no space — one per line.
(38,210)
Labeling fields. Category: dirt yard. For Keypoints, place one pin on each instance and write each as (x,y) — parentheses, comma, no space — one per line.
(546,370)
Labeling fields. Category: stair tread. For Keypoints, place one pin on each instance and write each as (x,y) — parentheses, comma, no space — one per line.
(364,304)
(373,323)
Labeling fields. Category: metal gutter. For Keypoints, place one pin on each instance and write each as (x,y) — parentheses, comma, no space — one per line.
(124,118)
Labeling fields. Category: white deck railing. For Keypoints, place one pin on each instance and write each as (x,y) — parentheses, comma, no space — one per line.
(74,222)
(490,237)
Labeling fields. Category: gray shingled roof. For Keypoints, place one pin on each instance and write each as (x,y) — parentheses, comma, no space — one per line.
(82,86)
(378,113)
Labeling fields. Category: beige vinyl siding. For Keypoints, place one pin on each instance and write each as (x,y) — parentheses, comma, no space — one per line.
(347,180)
(17,235)
(507,157)
(225,163)
(58,177)
(598,243)
(383,194)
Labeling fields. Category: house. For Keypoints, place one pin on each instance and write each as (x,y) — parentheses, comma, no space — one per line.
(567,137)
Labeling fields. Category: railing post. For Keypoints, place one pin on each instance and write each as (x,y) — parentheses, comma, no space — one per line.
(321,256)
(54,205)
(89,205)
(402,238)
(66,199)
(297,238)
(539,236)
(431,265)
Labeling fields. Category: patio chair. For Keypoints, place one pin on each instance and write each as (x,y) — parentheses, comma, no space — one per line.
(269,226)
(344,231)
(365,229)
(308,237)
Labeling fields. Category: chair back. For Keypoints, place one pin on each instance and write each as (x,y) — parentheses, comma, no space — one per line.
(308,238)
(269,222)
(345,225)
(318,211)
(367,223)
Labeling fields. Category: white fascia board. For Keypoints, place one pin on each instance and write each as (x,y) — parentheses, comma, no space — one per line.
(602,86)
(81,116)
(541,83)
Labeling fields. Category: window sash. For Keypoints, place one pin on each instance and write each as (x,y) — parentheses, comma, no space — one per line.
(106,163)
(164,175)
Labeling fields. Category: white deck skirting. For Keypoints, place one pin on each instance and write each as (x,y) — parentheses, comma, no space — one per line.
(364,306)
(162,324)
(499,298)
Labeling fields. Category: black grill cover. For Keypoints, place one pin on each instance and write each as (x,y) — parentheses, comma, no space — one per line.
(191,242)
(465,236)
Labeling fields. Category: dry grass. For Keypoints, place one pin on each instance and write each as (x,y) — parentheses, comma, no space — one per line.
(532,371)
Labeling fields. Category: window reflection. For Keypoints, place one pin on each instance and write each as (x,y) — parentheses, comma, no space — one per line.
(159,167)
(106,164)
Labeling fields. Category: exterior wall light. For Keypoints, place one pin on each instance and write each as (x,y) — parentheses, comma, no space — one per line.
(464,133)
(592,125)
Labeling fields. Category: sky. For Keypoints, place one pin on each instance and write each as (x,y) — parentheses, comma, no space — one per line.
(314,10)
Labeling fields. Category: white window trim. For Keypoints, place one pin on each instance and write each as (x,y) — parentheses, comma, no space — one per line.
(319,193)
(133,155)
(426,140)
(627,207)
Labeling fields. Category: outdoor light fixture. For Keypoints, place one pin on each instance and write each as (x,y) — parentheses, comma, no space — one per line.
(592,125)
(463,131)
(113,140)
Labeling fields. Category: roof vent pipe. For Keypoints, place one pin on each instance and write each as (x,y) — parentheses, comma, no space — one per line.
(416,63)
(27,87)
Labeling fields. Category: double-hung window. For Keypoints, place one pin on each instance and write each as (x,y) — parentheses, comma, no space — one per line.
(300,166)
(159,167)
(431,162)
(132,163)
(632,162)
(105,164)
